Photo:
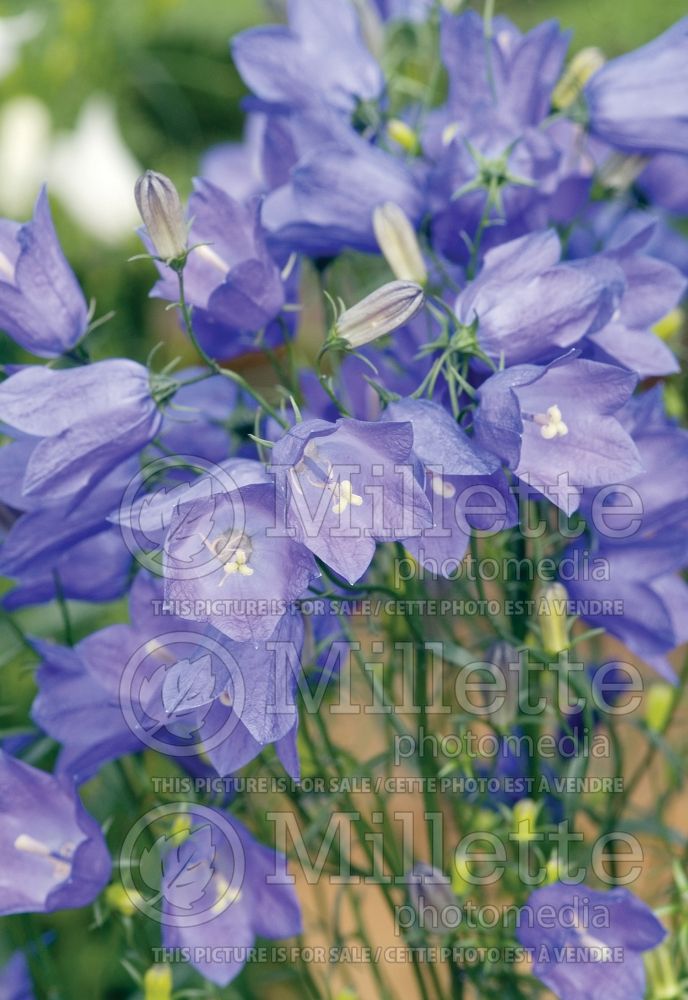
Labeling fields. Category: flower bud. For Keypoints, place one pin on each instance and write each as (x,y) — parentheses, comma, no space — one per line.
(620,170)
(431,896)
(662,980)
(381,312)
(122,900)
(161,210)
(671,324)
(402,133)
(506,661)
(552,617)
(659,704)
(157,983)
(397,239)
(524,817)
(578,72)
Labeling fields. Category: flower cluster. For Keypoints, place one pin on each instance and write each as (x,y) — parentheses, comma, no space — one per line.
(514,290)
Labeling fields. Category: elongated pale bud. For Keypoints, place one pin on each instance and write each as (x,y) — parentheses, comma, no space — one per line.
(671,324)
(552,617)
(403,134)
(397,239)
(524,819)
(157,983)
(506,661)
(163,215)
(122,900)
(381,312)
(432,897)
(659,704)
(583,65)
(620,170)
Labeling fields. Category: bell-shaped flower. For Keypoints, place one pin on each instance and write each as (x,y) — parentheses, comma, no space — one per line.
(54,854)
(638,101)
(348,485)
(221,890)
(42,306)
(587,943)
(463,483)
(87,420)
(230,277)
(557,426)
(322,43)
(529,306)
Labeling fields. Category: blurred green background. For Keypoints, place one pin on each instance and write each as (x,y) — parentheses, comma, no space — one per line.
(92,91)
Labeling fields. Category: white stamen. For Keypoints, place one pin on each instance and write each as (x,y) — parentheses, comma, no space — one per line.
(344,495)
(6,267)
(30,845)
(226,894)
(212,257)
(233,551)
(449,133)
(551,424)
(442,488)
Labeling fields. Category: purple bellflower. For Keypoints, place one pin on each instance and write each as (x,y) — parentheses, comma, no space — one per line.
(190,691)
(229,554)
(237,889)
(557,428)
(489,136)
(637,102)
(116,416)
(320,59)
(231,280)
(577,934)
(54,854)
(641,530)
(319,210)
(348,485)
(652,289)
(529,306)
(41,305)
(463,483)
(15,980)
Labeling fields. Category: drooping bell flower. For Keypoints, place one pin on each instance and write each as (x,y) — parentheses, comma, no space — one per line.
(322,43)
(54,856)
(42,306)
(529,305)
(557,426)
(348,485)
(576,935)
(221,890)
(463,483)
(87,419)
(230,277)
(228,555)
(638,102)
